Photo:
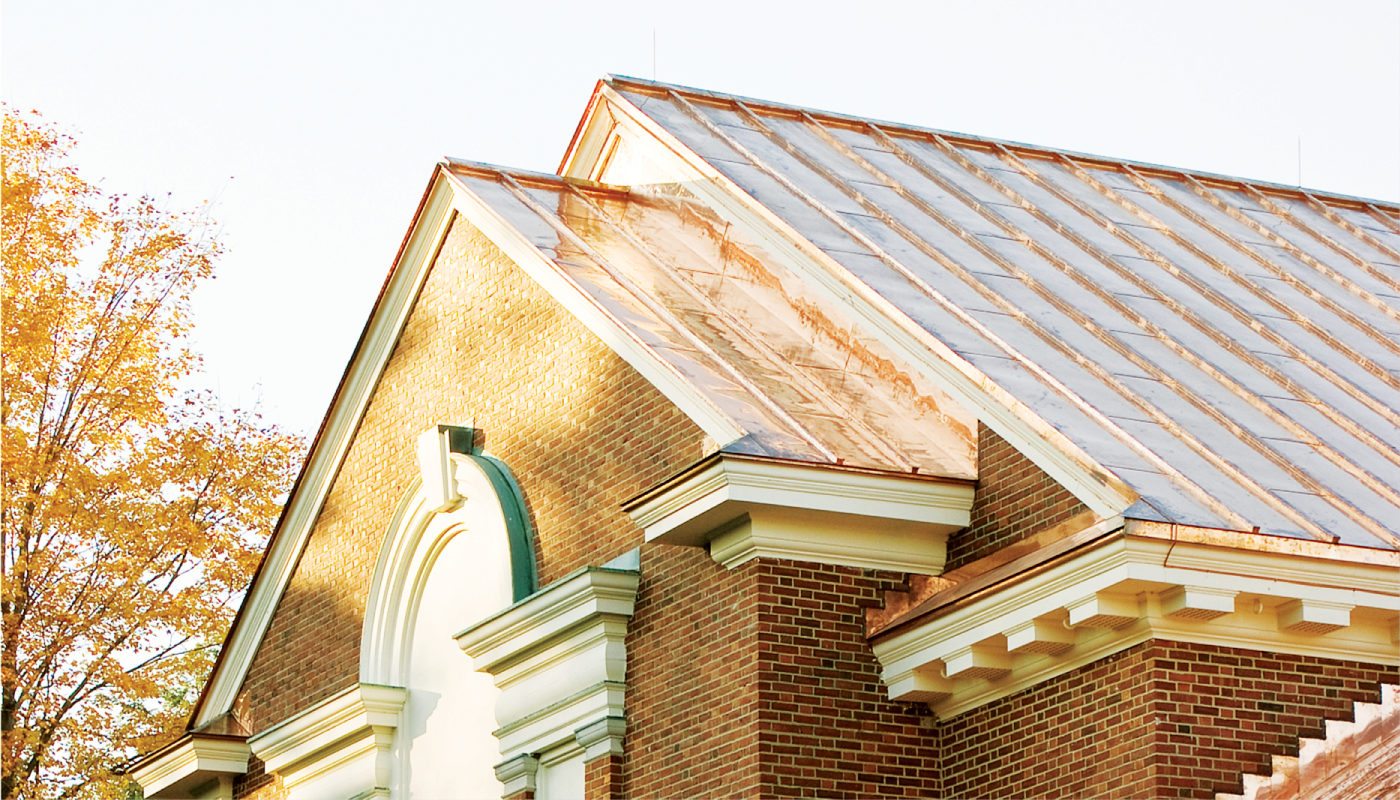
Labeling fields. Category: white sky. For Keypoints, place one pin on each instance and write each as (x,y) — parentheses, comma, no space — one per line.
(313,127)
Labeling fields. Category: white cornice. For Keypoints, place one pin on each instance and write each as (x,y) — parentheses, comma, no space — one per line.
(194,761)
(333,443)
(1130,589)
(326,725)
(745,508)
(1011,419)
(559,658)
(507,638)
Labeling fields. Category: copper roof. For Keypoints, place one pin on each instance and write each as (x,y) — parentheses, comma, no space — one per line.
(710,302)
(1227,348)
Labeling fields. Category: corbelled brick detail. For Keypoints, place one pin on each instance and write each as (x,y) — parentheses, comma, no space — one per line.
(579,427)
(1161,719)
(1015,499)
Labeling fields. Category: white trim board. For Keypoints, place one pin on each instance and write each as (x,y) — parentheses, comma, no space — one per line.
(381,334)
(347,738)
(1131,589)
(560,660)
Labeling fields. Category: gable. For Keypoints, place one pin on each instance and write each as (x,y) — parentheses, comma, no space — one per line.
(580,429)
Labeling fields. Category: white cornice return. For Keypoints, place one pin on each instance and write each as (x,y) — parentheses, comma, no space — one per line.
(747,508)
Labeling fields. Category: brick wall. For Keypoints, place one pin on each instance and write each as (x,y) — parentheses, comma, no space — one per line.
(603,778)
(581,430)
(759,681)
(692,691)
(1015,499)
(1087,733)
(826,724)
(1162,719)
(1223,712)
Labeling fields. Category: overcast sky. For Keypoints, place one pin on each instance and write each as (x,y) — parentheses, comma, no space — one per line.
(313,128)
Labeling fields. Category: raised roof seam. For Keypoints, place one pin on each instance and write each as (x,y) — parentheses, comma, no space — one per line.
(1140,361)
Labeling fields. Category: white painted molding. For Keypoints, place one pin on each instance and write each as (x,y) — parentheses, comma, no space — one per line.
(517,774)
(746,508)
(601,738)
(559,658)
(1048,448)
(198,765)
(411,544)
(341,747)
(438,469)
(1310,616)
(376,345)
(1127,590)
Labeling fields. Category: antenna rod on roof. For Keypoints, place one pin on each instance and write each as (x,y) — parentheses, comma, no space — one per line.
(653,52)
(1300,162)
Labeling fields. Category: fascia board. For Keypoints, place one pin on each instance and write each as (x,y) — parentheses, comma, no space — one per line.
(1144,568)
(660,373)
(586,147)
(381,334)
(1126,558)
(1096,486)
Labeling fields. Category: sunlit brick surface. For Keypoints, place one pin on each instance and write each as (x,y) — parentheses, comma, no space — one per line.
(579,427)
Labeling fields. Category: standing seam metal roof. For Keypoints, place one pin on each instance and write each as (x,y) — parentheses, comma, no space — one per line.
(1236,340)
(685,285)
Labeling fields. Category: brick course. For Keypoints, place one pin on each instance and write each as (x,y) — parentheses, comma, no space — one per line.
(579,427)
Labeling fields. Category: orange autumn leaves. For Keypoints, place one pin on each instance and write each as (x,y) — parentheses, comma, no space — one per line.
(134,511)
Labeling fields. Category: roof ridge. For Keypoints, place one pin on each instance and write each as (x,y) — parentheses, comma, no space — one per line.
(1302,191)
(486,168)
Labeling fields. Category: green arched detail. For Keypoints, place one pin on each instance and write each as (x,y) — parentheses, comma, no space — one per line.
(521,536)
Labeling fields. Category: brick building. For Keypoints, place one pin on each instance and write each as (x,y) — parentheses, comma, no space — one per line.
(764,451)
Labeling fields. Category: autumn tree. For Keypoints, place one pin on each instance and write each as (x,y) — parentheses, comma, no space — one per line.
(134,508)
